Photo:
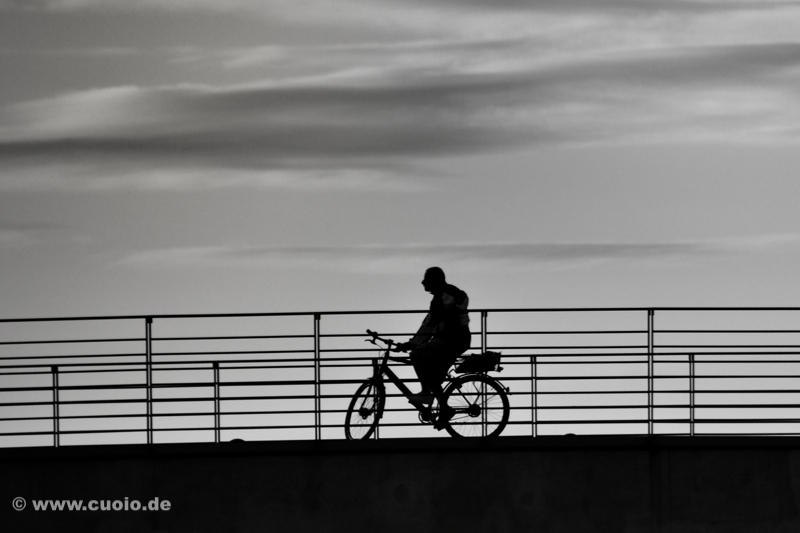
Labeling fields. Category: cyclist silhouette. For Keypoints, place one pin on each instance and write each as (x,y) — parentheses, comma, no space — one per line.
(442,337)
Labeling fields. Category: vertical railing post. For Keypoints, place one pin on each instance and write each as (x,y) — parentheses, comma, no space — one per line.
(317,387)
(691,394)
(56,414)
(484,315)
(484,420)
(534,387)
(148,326)
(216,403)
(650,372)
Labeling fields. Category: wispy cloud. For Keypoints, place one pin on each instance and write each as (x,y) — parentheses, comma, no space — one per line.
(15,235)
(468,80)
(237,134)
(499,257)
(484,4)
(12,235)
(72,177)
(745,93)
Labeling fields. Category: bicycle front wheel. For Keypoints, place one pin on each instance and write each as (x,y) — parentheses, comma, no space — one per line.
(365,411)
(479,407)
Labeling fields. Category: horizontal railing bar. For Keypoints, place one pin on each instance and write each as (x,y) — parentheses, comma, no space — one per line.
(664,406)
(64,432)
(234,337)
(569,359)
(493,333)
(160,415)
(763,390)
(516,348)
(228,352)
(402,311)
(389,424)
(155,364)
(182,385)
(72,341)
(746,376)
(40,373)
(699,360)
(520,356)
(164,400)
(93,371)
(683,353)
(728,331)
(528,353)
(746,420)
(366,337)
(85,356)
(334,411)
(115,371)
(269,363)
(571,332)
(721,391)
(574,347)
(176,385)
(87,417)
(540,357)
(224,366)
(67,365)
(698,353)
(307,426)
(704,346)
(76,387)
(333,313)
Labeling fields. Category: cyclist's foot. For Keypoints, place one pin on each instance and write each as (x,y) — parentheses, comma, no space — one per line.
(421,398)
(445,414)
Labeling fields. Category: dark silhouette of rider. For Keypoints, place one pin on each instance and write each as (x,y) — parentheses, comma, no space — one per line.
(442,337)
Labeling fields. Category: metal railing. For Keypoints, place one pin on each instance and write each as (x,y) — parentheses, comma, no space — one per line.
(289,376)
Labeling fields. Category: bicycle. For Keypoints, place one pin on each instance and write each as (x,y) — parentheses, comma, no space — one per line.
(474,404)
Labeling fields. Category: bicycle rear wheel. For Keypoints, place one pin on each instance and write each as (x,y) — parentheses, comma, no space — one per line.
(365,411)
(479,405)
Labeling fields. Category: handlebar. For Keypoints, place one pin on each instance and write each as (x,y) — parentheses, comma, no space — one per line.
(390,344)
(375,337)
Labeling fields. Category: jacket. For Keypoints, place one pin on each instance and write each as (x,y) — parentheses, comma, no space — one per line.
(447,318)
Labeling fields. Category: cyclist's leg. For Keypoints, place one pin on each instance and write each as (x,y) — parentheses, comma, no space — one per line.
(431,361)
(457,346)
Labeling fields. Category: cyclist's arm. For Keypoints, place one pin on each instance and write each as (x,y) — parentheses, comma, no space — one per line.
(429,326)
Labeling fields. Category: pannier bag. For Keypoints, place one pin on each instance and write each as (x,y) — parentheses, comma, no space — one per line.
(479,363)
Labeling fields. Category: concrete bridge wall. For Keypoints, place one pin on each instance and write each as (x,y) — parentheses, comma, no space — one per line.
(569,484)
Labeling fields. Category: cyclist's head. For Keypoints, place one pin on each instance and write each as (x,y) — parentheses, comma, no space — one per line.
(434,279)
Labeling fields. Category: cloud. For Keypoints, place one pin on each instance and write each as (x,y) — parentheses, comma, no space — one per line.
(71,5)
(303,128)
(373,111)
(69,178)
(535,5)
(256,126)
(23,235)
(719,93)
(583,24)
(412,114)
(501,257)
(12,235)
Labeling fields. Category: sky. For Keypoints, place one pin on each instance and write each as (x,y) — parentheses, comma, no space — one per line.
(236,156)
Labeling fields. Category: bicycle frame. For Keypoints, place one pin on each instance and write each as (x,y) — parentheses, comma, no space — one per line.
(381,369)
